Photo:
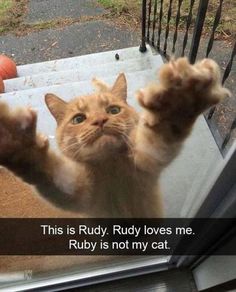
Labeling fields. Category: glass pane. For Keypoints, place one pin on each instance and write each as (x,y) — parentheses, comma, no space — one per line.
(100,164)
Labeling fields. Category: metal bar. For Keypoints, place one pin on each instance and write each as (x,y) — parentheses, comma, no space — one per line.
(176,25)
(225,76)
(202,9)
(160,25)
(149,19)
(188,23)
(154,23)
(211,112)
(215,24)
(143,47)
(228,135)
(167,27)
(230,63)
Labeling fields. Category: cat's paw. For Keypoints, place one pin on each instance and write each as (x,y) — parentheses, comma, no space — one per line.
(184,91)
(18,132)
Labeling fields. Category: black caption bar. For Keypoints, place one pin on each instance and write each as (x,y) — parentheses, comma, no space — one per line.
(167,236)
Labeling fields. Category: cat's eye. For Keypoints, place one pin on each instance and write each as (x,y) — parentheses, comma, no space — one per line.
(113,109)
(78,119)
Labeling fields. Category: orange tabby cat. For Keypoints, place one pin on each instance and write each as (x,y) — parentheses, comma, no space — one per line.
(111,157)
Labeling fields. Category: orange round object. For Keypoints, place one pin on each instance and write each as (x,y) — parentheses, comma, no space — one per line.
(7,67)
(2,88)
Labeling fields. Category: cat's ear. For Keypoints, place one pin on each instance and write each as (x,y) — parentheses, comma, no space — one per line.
(56,106)
(119,89)
(100,85)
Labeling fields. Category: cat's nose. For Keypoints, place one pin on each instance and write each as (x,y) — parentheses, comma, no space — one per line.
(99,121)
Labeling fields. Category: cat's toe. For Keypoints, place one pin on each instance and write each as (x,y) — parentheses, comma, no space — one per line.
(176,73)
(150,97)
(42,141)
(209,70)
(209,64)
(169,75)
(26,118)
(180,74)
(140,95)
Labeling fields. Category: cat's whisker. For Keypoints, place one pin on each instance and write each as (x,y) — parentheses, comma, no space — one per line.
(126,138)
(69,147)
(86,137)
(129,144)
(88,132)
(65,149)
(77,152)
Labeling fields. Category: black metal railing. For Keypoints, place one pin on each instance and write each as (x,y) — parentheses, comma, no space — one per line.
(176,27)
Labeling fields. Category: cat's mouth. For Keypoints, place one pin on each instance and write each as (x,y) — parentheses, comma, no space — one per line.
(101,144)
(104,136)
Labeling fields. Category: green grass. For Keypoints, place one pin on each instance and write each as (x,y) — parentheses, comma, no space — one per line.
(5,7)
(117,6)
(131,7)
(11,14)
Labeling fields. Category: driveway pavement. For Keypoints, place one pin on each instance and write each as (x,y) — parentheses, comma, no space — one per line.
(82,37)
(46,10)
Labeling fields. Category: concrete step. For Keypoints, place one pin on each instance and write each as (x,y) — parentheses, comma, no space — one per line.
(35,97)
(81,74)
(76,63)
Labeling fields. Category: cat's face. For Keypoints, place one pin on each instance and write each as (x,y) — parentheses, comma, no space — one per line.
(97,126)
